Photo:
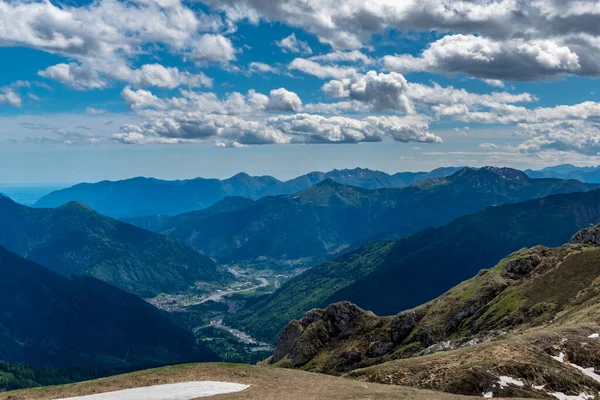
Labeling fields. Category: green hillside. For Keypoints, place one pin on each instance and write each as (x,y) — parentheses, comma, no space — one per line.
(388,277)
(75,240)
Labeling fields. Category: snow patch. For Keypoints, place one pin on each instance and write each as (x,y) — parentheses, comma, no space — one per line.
(591,372)
(507,380)
(594,336)
(560,358)
(176,391)
(562,396)
(488,395)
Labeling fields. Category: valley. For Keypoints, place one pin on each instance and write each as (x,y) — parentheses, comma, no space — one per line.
(203,310)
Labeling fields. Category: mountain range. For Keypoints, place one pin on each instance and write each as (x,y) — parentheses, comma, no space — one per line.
(149,196)
(568,171)
(528,327)
(75,240)
(329,218)
(387,277)
(50,320)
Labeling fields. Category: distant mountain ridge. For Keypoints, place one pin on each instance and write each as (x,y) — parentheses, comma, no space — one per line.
(568,171)
(50,320)
(75,240)
(148,196)
(388,277)
(329,217)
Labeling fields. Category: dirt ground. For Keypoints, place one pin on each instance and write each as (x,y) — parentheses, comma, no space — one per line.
(266,384)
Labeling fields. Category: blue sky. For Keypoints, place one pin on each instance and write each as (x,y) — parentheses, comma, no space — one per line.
(112,89)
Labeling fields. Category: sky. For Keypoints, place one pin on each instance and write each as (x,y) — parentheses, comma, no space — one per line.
(111,89)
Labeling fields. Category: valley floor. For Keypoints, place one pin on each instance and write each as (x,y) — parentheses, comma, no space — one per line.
(265,384)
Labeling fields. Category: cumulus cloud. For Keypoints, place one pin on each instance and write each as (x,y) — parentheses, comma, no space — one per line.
(213,48)
(380,91)
(353,24)
(138,99)
(103,29)
(86,76)
(81,77)
(181,127)
(562,136)
(322,71)
(284,100)
(9,97)
(186,127)
(256,67)
(490,59)
(102,38)
(235,103)
(291,44)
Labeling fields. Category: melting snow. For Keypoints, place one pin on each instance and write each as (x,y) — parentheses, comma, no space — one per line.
(562,396)
(488,395)
(560,358)
(177,391)
(588,371)
(594,336)
(507,380)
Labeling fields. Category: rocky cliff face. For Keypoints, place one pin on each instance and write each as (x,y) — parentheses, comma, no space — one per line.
(303,339)
(532,306)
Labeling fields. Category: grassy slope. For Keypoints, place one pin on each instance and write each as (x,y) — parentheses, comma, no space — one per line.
(75,240)
(266,384)
(389,277)
(547,299)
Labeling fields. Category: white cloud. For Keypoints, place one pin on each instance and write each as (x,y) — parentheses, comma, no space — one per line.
(86,76)
(138,99)
(308,128)
(212,48)
(284,100)
(227,130)
(351,24)
(101,30)
(292,44)
(159,76)
(380,91)
(494,82)
(353,56)
(514,59)
(9,97)
(80,77)
(322,71)
(182,127)
(95,111)
(262,68)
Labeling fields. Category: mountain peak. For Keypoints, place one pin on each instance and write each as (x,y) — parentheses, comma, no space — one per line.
(502,172)
(75,205)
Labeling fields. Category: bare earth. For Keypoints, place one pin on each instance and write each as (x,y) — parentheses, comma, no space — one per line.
(265,384)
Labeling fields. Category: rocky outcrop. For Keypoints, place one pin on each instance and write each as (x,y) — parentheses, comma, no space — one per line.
(301,340)
(404,323)
(589,236)
(524,264)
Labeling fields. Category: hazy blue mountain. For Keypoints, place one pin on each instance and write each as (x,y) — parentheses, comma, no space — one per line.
(568,171)
(50,320)
(388,277)
(328,218)
(75,240)
(148,196)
